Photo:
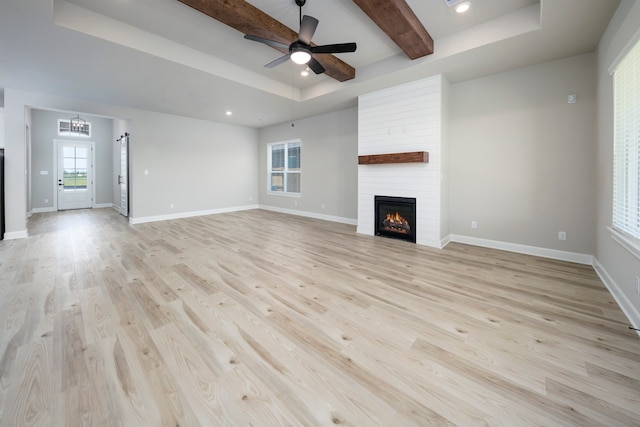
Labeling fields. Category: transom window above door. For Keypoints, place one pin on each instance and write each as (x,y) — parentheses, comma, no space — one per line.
(82,129)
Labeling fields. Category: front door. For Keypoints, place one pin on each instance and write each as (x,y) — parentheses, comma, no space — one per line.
(75,175)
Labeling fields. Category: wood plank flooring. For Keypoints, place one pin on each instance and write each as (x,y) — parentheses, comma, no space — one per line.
(264,319)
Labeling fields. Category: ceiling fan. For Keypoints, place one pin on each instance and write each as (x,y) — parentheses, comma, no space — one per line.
(301,51)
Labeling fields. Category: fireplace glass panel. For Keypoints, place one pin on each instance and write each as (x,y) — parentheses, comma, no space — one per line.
(395,217)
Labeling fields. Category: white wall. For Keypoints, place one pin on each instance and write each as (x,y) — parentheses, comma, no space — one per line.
(400,119)
(617,267)
(328,168)
(198,166)
(522,159)
(445,174)
(15,168)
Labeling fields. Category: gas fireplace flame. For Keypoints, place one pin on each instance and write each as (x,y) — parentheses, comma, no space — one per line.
(396,223)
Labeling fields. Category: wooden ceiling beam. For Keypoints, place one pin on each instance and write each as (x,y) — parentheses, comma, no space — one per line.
(246,18)
(398,21)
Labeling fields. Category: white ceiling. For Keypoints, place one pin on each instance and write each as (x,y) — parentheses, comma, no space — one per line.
(161,55)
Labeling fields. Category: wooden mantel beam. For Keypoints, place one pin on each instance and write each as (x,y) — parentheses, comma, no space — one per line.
(381,159)
(398,21)
(248,19)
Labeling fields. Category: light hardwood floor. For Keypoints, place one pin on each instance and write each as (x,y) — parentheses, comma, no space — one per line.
(258,318)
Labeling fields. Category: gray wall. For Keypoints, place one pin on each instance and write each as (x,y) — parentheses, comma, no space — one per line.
(329,164)
(196,165)
(619,265)
(43,133)
(193,164)
(522,159)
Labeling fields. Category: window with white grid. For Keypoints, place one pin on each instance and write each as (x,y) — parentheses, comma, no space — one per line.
(626,157)
(283,164)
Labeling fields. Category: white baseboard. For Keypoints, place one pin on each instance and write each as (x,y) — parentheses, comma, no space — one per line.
(53,209)
(525,249)
(43,210)
(313,215)
(13,235)
(623,302)
(444,242)
(155,218)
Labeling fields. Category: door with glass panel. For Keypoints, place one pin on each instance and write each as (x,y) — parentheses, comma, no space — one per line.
(74,175)
(123,176)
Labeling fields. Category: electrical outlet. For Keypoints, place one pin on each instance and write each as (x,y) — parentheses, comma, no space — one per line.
(637,284)
(322,206)
(46,200)
(562,235)
(474,224)
(171,205)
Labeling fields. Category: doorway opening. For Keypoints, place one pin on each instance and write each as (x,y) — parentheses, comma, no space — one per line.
(74,172)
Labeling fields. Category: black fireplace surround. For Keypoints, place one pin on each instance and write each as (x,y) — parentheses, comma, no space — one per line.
(395,217)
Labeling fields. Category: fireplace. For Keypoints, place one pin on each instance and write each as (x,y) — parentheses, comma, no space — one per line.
(395,217)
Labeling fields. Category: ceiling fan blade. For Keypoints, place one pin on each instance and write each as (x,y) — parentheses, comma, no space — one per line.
(334,48)
(278,61)
(315,66)
(266,41)
(307,28)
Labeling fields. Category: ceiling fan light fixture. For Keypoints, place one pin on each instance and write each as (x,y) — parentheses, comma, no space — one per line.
(300,55)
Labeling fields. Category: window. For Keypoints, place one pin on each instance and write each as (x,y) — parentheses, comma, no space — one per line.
(79,129)
(626,157)
(75,161)
(283,164)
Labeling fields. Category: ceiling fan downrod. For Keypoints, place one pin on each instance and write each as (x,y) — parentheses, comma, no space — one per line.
(300,3)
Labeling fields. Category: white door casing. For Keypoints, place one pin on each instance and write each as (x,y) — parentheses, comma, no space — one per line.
(74,174)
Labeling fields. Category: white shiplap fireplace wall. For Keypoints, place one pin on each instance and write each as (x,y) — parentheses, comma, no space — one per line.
(402,119)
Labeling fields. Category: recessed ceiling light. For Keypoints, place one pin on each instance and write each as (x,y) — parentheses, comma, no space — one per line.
(305,72)
(229,112)
(463,7)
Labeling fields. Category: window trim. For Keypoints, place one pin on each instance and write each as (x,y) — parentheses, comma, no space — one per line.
(285,171)
(628,242)
(625,238)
